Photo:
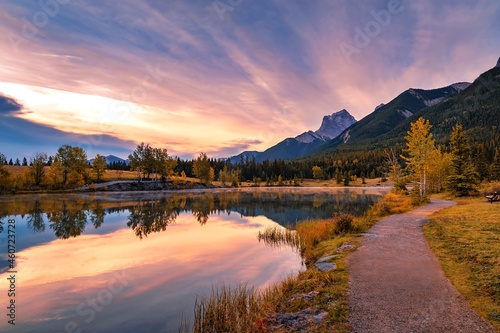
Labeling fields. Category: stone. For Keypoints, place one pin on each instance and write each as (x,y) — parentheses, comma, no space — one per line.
(325,259)
(326,266)
(305,297)
(295,321)
(346,247)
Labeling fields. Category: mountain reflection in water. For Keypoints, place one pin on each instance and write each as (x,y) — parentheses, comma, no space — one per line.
(69,217)
(151,277)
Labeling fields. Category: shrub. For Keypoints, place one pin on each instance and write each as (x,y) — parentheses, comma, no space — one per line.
(343,223)
(491,188)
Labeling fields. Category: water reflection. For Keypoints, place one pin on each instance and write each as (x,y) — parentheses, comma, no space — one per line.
(167,248)
(152,213)
(152,216)
(35,218)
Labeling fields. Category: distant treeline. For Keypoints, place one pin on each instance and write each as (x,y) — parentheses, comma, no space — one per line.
(69,168)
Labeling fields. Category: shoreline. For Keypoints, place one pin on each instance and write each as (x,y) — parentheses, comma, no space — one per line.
(154,194)
(189,187)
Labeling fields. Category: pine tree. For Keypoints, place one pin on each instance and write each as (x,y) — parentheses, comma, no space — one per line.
(463,177)
(495,166)
(479,160)
(338,176)
(202,169)
(347,178)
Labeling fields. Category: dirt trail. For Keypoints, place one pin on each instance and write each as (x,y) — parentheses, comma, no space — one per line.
(397,285)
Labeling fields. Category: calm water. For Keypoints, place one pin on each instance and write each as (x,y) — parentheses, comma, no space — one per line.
(136,262)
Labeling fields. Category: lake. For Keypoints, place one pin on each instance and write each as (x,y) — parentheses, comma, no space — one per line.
(135,262)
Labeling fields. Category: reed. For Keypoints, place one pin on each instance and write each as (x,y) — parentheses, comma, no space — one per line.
(278,236)
(246,309)
(230,309)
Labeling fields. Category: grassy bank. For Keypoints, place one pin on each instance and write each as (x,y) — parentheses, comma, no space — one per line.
(243,309)
(466,239)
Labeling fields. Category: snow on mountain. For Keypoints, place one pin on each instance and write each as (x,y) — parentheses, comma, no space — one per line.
(442,93)
(461,85)
(346,136)
(303,144)
(435,101)
(405,113)
(308,137)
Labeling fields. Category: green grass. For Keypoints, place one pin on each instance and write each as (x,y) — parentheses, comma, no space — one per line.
(466,239)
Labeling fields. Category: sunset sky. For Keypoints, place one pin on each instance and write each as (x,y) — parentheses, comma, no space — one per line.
(221,76)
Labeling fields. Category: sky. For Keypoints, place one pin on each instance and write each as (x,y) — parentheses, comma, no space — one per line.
(221,76)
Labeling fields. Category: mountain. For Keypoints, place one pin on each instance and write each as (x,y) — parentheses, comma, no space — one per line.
(244,155)
(498,63)
(331,126)
(387,117)
(475,106)
(112,159)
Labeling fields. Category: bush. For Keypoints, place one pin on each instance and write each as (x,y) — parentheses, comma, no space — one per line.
(490,188)
(342,223)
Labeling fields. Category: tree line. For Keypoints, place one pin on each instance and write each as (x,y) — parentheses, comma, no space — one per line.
(434,168)
(457,160)
(68,168)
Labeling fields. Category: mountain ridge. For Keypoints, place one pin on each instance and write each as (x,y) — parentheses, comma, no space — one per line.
(111,159)
(304,143)
(387,117)
(474,105)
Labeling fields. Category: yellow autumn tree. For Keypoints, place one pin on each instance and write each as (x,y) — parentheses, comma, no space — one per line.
(420,147)
(439,169)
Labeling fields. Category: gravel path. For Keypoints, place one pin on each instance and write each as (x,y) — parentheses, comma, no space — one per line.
(397,284)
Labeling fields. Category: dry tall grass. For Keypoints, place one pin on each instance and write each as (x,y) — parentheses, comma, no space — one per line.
(466,240)
(229,309)
(278,236)
(245,309)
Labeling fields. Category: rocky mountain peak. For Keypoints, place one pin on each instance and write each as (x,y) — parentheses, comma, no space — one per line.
(335,123)
(498,63)
(460,86)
